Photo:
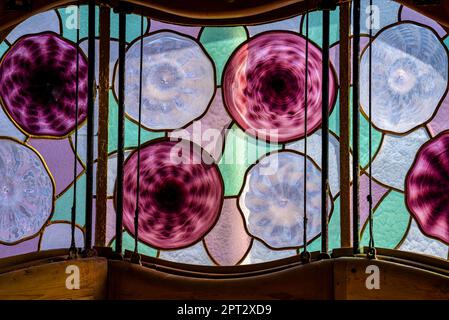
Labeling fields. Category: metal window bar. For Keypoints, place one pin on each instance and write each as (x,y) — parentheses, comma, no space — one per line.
(90,127)
(325,135)
(73,251)
(121,133)
(355,127)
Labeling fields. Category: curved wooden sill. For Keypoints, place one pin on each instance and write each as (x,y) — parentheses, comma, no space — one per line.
(402,276)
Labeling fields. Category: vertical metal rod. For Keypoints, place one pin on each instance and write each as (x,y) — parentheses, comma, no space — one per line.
(121,132)
(345,85)
(73,250)
(139,142)
(325,134)
(355,127)
(90,124)
(371,249)
(103,111)
(305,256)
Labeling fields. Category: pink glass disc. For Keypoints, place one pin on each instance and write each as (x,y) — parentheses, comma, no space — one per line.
(264,82)
(426,188)
(181,194)
(38,84)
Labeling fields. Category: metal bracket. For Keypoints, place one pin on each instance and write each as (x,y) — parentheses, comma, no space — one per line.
(324,256)
(89,253)
(136,258)
(73,254)
(305,257)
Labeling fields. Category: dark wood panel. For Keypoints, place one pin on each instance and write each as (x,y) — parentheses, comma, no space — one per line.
(48,281)
(401,275)
(312,281)
(396,281)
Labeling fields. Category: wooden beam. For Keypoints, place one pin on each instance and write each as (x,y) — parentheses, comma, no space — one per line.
(103,116)
(192,12)
(48,281)
(132,281)
(345,83)
(403,275)
(396,281)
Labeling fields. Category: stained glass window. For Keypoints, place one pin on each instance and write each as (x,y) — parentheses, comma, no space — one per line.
(200,81)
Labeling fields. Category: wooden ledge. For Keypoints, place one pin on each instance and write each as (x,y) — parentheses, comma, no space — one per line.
(48,281)
(402,275)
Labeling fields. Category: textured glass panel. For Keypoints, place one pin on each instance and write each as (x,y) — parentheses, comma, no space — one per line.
(61,163)
(3,48)
(410,76)
(131,129)
(57,236)
(408,14)
(69,21)
(261,253)
(113,56)
(272,205)
(63,207)
(8,128)
(129,244)
(395,157)
(257,217)
(314,151)
(220,42)
(410,83)
(210,131)
(228,242)
(195,254)
(316,27)
(390,222)
(292,24)
(26,192)
(416,241)
(385,10)
(187,30)
(240,152)
(132,26)
(178,81)
(45,21)
(37,95)
(23,247)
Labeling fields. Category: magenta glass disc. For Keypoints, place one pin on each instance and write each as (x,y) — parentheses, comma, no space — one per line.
(38,85)
(264,82)
(181,193)
(426,188)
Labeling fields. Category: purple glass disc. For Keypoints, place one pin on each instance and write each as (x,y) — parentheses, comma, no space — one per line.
(181,193)
(38,85)
(426,188)
(264,84)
